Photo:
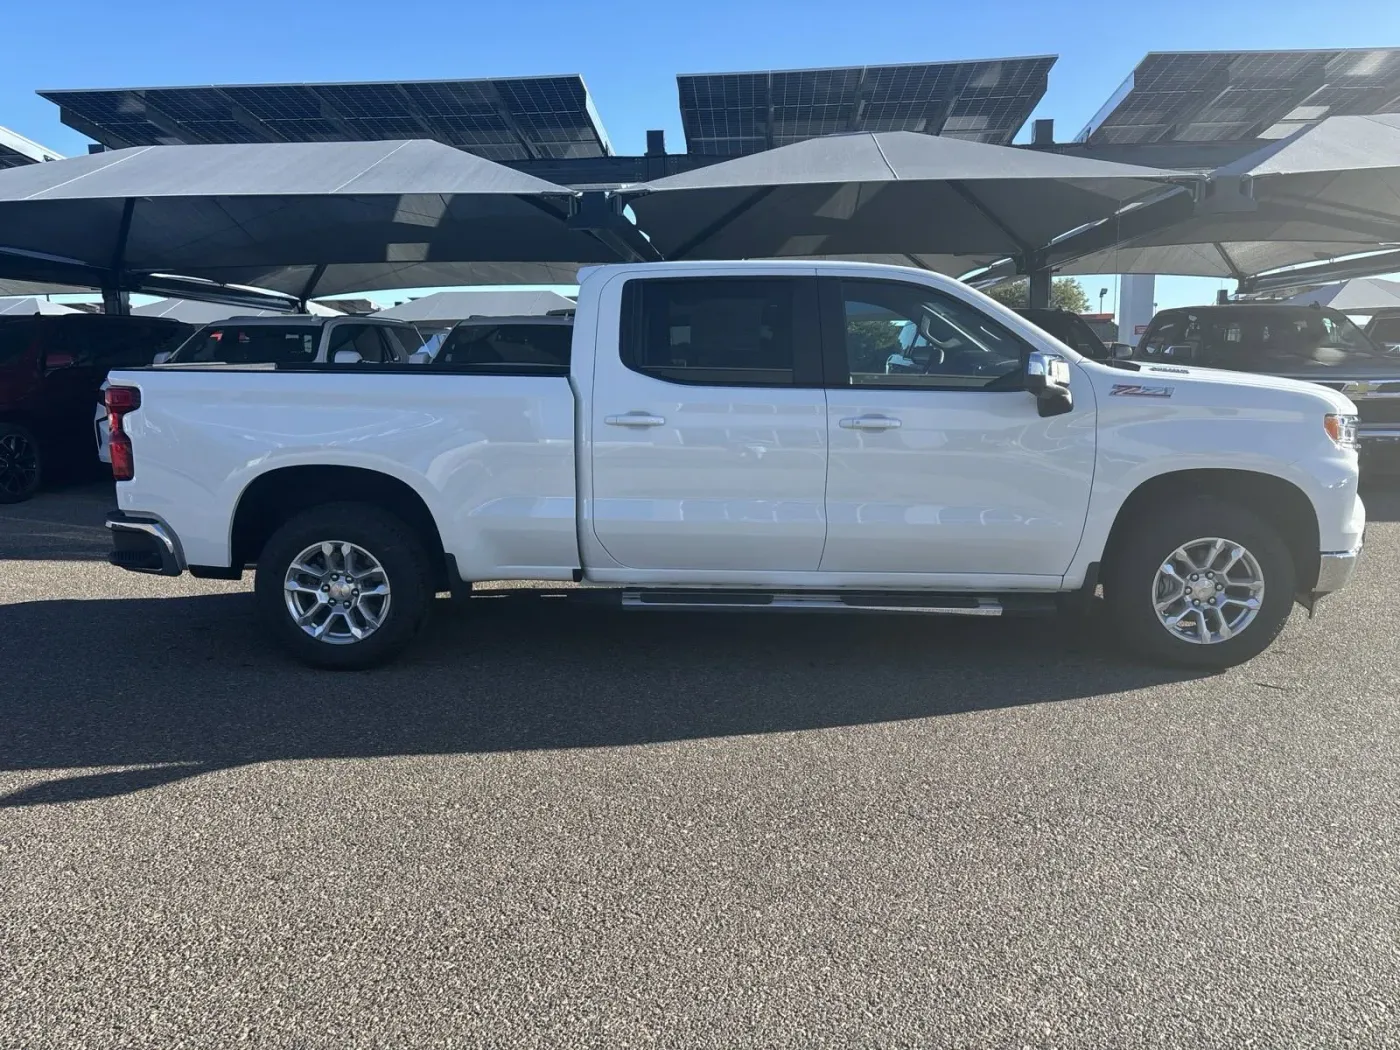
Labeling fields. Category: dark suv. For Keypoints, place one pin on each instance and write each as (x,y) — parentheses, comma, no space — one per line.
(51,368)
(1311,343)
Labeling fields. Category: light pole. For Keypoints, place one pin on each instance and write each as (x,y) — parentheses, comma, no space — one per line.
(1102,293)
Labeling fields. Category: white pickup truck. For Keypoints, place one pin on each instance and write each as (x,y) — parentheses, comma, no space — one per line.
(795,436)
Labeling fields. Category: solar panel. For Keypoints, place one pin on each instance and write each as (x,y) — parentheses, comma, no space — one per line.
(504,120)
(986,101)
(1212,96)
(16,150)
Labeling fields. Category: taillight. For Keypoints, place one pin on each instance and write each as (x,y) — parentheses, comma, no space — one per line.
(120,400)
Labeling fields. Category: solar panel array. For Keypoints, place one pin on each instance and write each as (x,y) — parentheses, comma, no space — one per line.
(736,113)
(502,120)
(1211,96)
(16,150)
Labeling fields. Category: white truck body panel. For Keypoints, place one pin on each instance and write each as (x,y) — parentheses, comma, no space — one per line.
(535,477)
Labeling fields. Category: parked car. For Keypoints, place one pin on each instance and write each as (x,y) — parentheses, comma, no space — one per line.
(1383,329)
(542,340)
(726,436)
(288,339)
(1310,343)
(1069,328)
(51,369)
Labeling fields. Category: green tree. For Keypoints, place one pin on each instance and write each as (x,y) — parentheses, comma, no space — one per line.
(1065,294)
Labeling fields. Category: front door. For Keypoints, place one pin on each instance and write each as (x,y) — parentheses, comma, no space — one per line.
(709,427)
(939,461)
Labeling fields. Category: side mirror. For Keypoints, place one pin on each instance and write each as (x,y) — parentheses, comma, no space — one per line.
(347,357)
(1048,379)
(53,362)
(1120,351)
(161,358)
(420,357)
(1179,350)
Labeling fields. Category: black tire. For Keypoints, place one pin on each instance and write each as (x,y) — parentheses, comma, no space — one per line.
(21,463)
(1151,539)
(384,537)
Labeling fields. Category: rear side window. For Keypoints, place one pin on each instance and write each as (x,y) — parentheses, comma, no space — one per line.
(503,345)
(714,331)
(1385,330)
(262,344)
(16,337)
(403,340)
(365,339)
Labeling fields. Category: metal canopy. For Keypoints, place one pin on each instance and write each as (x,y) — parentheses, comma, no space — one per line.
(17,151)
(456,306)
(1359,296)
(519,118)
(737,113)
(883,193)
(1207,96)
(1330,189)
(225,212)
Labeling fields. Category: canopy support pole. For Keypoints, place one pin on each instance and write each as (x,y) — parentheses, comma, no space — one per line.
(317,273)
(1041,285)
(115,298)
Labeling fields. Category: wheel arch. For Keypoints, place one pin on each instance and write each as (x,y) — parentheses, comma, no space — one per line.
(1278,500)
(273,497)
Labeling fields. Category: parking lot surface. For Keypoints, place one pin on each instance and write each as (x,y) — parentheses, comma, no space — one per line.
(553,825)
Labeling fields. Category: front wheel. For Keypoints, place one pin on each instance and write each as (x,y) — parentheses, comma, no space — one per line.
(1204,584)
(344,586)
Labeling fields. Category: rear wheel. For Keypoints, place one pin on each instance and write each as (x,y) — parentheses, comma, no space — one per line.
(21,465)
(344,586)
(1204,584)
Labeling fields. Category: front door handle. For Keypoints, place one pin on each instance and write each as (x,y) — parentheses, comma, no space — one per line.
(635,419)
(870,423)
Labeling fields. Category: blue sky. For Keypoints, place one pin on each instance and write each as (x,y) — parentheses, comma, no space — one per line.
(629,53)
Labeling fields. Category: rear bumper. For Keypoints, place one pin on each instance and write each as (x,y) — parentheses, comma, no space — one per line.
(144,544)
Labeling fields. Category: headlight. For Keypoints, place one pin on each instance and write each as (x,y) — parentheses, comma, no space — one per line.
(1341,429)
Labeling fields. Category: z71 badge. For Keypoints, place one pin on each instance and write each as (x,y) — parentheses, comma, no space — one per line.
(1139,390)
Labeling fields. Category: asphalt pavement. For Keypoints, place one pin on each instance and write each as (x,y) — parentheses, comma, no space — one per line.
(559,825)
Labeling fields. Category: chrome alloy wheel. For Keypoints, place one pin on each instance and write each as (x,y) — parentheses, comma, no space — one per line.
(337,592)
(19,465)
(1207,591)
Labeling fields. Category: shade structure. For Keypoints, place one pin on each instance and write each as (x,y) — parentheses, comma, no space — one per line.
(226,212)
(28,305)
(1329,190)
(457,306)
(883,193)
(342,278)
(1362,295)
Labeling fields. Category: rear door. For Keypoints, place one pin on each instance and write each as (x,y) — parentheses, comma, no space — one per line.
(708,426)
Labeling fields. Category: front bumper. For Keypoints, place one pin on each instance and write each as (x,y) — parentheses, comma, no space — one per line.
(1335,570)
(141,544)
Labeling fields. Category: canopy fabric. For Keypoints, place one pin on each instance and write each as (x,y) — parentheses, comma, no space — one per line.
(248,208)
(457,306)
(191,311)
(1329,190)
(28,305)
(1362,295)
(877,193)
(28,288)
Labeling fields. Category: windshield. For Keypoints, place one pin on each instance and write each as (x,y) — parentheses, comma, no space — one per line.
(254,344)
(1265,340)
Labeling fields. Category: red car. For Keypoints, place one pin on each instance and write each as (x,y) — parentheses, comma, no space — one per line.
(51,368)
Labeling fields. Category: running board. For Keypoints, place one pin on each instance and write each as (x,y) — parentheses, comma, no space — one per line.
(815,601)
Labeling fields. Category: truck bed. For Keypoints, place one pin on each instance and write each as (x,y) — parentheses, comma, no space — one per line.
(492,456)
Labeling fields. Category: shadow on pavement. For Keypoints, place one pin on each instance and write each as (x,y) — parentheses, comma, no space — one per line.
(181,686)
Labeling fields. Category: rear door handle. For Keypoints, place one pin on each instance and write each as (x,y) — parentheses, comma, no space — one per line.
(870,423)
(635,419)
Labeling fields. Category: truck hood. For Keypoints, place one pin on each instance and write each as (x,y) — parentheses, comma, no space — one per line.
(1214,385)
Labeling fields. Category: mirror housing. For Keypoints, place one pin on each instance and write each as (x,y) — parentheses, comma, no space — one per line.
(420,357)
(1179,350)
(347,357)
(161,358)
(1048,379)
(1119,351)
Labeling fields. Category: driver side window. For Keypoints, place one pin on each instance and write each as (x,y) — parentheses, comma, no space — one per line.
(909,335)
